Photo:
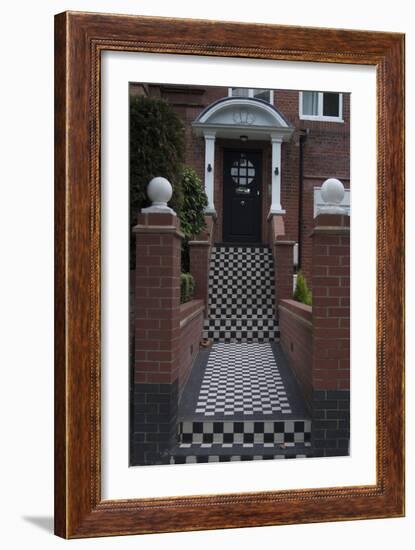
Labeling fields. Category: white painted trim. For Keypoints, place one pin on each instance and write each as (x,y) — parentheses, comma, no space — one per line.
(276,178)
(209,176)
(242,101)
(251,93)
(320,117)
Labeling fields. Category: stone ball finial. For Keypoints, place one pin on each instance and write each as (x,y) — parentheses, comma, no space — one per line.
(159,191)
(332,193)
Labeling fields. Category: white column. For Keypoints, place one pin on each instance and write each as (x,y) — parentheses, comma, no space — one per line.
(276,176)
(210,170)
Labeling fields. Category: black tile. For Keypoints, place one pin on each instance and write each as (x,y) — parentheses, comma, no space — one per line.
(238,427)
(258,427)
(197,427)
(228,437)
(218,427)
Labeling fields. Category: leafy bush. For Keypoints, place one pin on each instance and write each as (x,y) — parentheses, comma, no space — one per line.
(187,285)
(156,149)
(302,293)
(191,216)
(192,219)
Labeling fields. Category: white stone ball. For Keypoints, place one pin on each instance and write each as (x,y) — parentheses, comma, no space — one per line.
(159,190)
(332,191)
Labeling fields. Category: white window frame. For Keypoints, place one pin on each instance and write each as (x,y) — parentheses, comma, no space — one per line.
(251,93)
(320,115)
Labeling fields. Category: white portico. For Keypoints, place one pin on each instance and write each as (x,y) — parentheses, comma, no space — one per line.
(245,119)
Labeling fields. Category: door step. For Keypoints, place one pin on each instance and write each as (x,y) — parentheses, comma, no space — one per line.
(244,433)
(233,454)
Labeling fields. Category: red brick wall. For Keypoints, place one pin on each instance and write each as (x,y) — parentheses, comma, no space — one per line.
(316,340)
(199,256)
(295,323)
(282,252)
(191,326)
(331,303)
(157,297)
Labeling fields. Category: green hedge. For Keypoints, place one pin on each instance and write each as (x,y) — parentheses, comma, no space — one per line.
(157,148)
(302,293)
(187,286)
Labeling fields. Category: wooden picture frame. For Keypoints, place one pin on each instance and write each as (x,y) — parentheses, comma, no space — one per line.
(79,40)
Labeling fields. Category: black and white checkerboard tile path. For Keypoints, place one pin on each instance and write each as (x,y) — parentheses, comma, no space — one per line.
(241,295)
(193,459)
(242,378)
(244,434)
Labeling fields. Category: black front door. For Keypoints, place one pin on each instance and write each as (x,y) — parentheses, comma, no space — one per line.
(242,180)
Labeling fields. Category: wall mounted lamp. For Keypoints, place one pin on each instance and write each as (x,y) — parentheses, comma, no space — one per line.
(209,168)
(276,171)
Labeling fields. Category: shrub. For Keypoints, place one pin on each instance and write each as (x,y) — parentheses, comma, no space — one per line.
(302,293)
(156,149)
(192,219)
(187,285)
(191,216)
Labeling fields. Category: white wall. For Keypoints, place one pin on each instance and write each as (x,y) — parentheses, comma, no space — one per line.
(26,203)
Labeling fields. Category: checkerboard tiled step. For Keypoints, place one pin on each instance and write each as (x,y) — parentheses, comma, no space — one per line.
(244,434)
(241,295)
(186,456)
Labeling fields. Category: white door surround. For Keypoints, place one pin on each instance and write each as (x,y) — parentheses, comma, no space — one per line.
(246,119)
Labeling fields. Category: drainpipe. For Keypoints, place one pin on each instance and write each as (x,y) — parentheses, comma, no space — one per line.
(302,140)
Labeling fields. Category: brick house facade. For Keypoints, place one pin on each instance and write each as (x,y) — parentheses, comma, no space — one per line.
(317,148)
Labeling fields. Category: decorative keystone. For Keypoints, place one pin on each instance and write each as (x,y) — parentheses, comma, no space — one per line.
(332,193)
(159,191)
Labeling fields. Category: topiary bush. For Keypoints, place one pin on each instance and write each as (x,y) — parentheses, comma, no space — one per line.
(302,293)
(192,219)
(157,146)
(187,286)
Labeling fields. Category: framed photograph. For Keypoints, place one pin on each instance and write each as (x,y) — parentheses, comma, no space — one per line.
(229,281)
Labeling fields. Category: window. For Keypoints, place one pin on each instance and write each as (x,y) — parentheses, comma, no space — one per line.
(243,171)
(321,106)
(258,93)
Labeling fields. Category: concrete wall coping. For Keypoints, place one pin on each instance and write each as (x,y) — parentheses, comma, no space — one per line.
(190,310)
(303,312)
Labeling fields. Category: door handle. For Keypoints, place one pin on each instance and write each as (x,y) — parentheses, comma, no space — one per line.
(242,203)
(258,193)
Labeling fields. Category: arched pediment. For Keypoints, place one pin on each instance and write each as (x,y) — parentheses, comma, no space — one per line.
(229,117)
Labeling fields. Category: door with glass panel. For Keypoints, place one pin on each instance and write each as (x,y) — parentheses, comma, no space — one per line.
(242,178)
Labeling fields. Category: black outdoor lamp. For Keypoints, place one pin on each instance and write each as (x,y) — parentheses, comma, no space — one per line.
(276,171)
(209,168)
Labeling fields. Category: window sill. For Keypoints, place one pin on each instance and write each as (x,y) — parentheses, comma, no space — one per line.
(322,118)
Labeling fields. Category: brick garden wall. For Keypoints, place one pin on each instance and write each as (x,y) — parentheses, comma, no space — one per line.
(166,338)
(296,329)
(282,252)
(191,326)
(157,338)
(331,333)
(316,340)
(199,258)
